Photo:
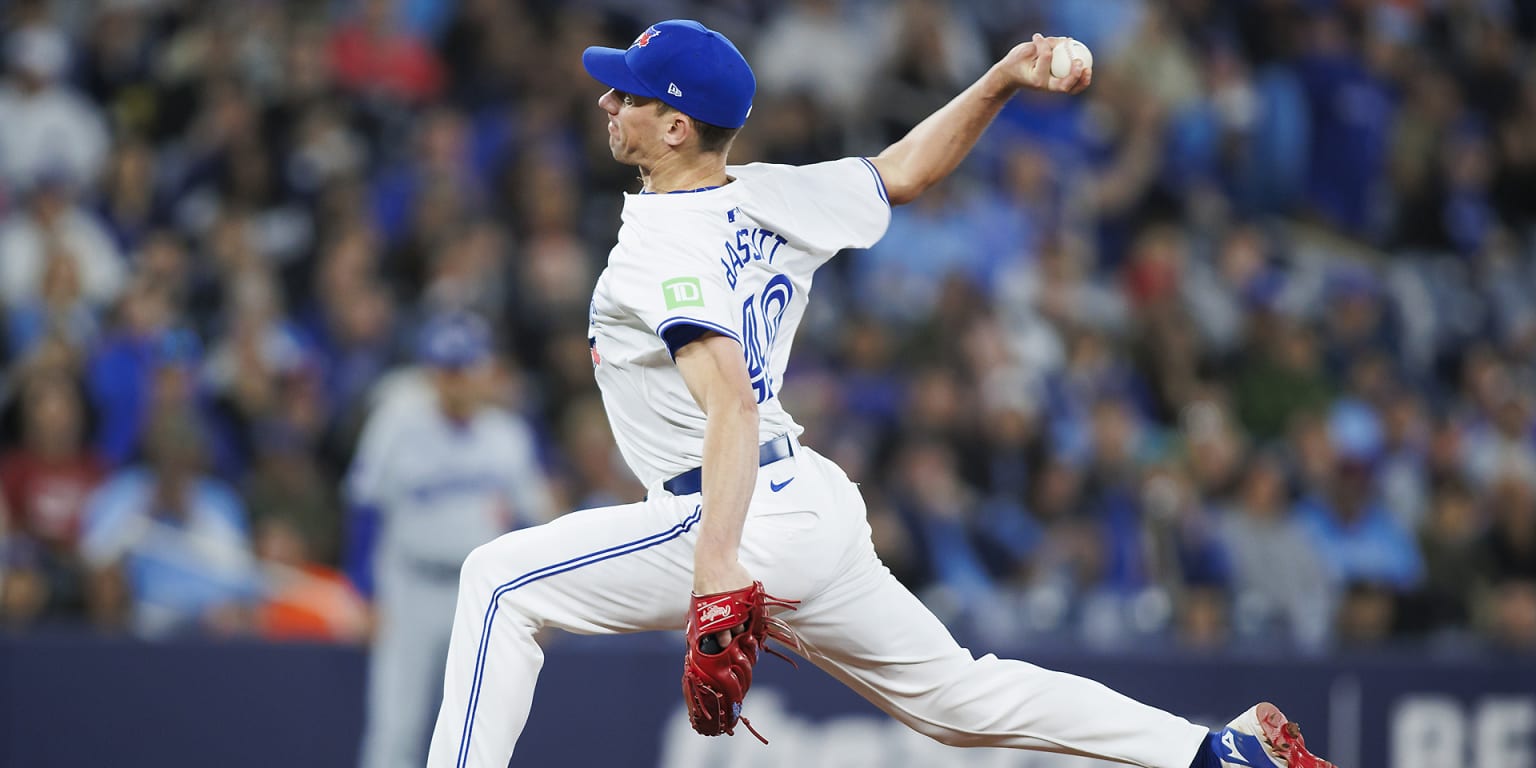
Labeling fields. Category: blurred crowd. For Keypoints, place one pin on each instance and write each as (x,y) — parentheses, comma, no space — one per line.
(1238,349)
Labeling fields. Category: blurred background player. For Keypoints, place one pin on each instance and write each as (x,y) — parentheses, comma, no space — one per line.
(439,470)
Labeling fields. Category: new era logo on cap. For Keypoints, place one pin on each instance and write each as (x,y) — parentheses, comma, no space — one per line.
(674,90)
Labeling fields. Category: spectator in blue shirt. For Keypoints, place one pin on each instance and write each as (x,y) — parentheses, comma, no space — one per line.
(1352,108)
(148,364)
(168,546)
(940,507)
(1359,540)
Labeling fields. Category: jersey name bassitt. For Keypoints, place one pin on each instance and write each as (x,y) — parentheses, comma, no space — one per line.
(737,260)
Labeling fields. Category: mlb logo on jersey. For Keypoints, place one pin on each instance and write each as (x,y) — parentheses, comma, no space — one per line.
(645,38)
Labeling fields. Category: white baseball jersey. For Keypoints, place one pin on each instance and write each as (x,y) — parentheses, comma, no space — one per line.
(737,260)
(443,488)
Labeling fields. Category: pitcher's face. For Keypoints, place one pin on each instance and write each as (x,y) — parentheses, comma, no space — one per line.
(636,129)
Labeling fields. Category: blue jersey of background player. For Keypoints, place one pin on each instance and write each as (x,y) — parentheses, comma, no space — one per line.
(438,471)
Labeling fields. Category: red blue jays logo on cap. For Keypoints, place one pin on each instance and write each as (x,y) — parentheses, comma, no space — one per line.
(645,38)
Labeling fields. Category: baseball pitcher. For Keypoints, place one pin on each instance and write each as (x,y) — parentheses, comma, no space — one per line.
(691,324)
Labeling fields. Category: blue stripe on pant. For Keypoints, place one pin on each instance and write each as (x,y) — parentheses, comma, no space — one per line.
(542,573)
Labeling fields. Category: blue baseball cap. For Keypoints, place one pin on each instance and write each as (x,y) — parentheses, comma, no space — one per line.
(686,66)
(454,340)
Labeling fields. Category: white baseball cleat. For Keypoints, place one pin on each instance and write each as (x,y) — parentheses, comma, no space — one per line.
(1263,738)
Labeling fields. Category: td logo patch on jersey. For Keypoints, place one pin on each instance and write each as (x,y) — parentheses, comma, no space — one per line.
(682,292)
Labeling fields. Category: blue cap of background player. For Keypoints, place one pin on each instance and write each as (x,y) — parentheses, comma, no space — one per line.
(686,65)
(453,340)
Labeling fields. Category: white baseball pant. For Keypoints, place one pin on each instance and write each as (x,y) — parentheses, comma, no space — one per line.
(629,569)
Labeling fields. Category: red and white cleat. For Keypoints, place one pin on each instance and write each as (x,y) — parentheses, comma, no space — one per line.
(1263,738)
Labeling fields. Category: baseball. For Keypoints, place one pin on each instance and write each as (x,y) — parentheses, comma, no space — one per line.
(1064,53)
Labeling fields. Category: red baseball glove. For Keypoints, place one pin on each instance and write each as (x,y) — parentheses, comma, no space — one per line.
(716,679)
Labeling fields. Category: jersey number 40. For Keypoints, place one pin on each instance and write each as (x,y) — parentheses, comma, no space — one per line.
(760,331)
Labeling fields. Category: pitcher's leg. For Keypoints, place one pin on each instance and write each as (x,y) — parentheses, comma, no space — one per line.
(880,640)
(608,570)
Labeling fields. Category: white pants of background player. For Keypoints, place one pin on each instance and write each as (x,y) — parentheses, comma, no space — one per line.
(629,569)
(405,666)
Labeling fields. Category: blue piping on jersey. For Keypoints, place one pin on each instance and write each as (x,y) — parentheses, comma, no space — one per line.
(530,577)
(879,181)
(661,330)
(681,335)
(681,191)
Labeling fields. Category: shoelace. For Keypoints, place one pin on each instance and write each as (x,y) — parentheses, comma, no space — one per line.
(782,632)
(1293,748)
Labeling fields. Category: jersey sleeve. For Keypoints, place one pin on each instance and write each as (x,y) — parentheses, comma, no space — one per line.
(828,206)
(680,294)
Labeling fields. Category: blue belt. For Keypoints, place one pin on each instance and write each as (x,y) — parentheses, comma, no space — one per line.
(692,481)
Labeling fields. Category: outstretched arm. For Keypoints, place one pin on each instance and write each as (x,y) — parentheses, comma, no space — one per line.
(716,375)
(932,149)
